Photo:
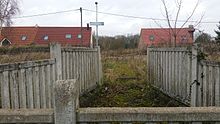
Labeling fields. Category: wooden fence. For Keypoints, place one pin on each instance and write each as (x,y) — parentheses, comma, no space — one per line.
(30,84)
(81,64)
(27,84)
(181,74)
(209,84)
(170,70)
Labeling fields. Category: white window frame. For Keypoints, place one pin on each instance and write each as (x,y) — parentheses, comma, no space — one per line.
(4,40)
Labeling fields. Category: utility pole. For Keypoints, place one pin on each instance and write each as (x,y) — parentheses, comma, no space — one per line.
(97,38)
(81,32)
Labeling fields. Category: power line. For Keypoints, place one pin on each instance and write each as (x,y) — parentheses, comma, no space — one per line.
(44,14)
(145,18)
(112,14)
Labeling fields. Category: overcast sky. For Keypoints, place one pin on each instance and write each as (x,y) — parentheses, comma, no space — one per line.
(115,25)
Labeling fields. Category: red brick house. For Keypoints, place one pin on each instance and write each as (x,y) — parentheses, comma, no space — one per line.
(45,35)
(164,36)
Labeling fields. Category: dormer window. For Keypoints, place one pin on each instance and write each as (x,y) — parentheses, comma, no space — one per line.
(68,36)
(46,37)
(23,37)
(151,38)
(5,42)
(79,36)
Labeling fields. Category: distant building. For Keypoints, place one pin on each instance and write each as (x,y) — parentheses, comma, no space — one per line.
(163,36)
(45,35)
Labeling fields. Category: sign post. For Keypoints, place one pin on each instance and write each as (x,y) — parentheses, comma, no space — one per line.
(97,24)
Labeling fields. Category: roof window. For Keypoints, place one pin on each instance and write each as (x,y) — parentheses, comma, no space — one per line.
(46,37)
(79,36)
(68,36)
(151,37)
(23,37)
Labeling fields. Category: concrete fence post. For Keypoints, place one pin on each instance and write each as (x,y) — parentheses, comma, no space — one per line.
(148,64)
(66,101)
(194,84)
(99,63)
(55,53)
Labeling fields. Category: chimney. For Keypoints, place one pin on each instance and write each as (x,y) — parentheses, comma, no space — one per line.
(36,26)
(87,26)
(191,28)
(191,31)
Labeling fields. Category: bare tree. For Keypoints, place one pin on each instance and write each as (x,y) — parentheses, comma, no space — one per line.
(173,32)
(8,9)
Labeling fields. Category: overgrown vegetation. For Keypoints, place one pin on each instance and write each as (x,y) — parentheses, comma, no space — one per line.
(211,51)
(23,57)
(26,53)
(209,45)
(217,38)
(125,85)
(118,42)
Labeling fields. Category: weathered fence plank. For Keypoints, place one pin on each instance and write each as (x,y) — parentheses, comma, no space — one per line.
(68,65)
(71,66)
(30,95)
(22,89)
(36,79)
(83,71)
(48,86)
(63,65)
(217,87)
(170,73)
(194,81)
(5,98)
(180,81)
(200,72)
(43,88)
(189,75)
(53,80)
(13,78)
(210,86)
(167,71)
(205,81)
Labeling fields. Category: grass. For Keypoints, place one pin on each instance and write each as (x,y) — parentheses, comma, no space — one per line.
(125,85)
(12,58)
(14,54)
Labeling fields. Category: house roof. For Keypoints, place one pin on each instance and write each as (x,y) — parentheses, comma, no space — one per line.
(14,34)
(58,34)
(55,34)
(161,35)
